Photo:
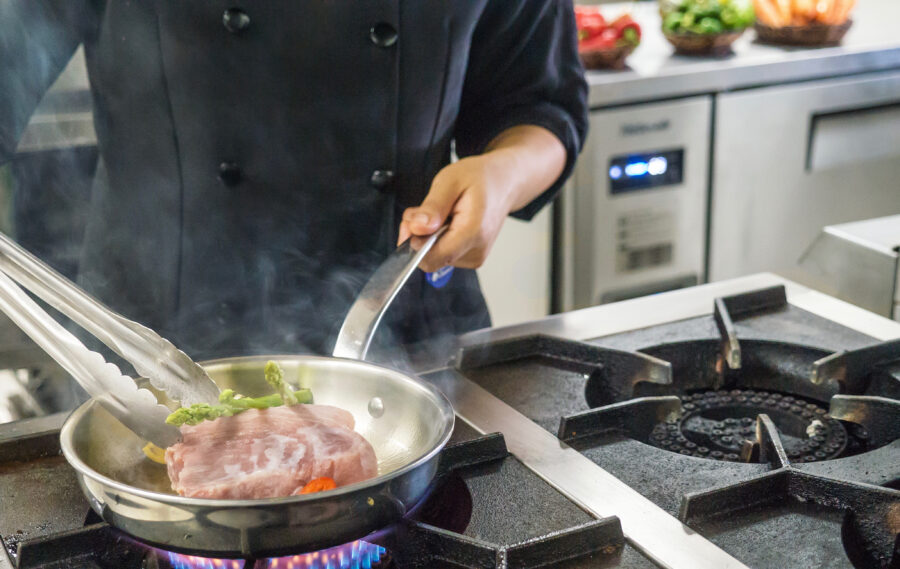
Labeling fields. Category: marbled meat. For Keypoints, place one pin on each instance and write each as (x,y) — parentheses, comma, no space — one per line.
(269,453)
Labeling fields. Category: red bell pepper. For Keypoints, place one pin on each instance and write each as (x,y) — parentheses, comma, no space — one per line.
(607,39)
(624,23)
(589,21)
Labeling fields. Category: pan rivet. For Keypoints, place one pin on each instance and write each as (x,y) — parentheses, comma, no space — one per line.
(370,501)
(376,407)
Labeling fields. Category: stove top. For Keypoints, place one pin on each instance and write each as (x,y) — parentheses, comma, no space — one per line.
(739,424)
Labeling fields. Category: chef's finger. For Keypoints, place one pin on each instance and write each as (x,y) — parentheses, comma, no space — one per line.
(404,233)
(428,217)
(462,236)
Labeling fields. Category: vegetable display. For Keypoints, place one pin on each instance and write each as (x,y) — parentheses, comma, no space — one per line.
(595,32)
(781,13)
(706,17)
(231,403)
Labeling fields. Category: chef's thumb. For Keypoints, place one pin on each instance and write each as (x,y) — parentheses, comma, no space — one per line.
(428,217)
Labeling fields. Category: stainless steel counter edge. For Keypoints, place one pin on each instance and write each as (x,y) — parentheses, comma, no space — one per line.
(647,527)
(681,304)
(715,77)
(32,427)
(661,537)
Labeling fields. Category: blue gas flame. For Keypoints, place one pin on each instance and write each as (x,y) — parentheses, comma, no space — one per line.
(355,555)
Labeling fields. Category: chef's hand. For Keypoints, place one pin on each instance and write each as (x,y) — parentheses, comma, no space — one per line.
(479,192)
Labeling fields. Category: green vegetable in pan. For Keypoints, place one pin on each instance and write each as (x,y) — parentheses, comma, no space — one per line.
(231,403)
(275,378)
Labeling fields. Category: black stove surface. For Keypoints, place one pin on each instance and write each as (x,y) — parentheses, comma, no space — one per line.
(749,457)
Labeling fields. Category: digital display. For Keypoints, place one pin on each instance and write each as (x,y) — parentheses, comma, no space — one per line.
(640,171)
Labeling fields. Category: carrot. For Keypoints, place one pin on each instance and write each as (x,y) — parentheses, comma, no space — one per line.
(804,11)
(766,12)
(318,485)
(838,12)
(828,16)
(822,9)
(784,9)
(844,13)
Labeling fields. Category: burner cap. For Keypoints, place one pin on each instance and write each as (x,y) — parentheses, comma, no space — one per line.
(715,425)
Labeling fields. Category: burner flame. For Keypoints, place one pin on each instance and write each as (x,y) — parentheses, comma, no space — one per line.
(180,561)
(355,555)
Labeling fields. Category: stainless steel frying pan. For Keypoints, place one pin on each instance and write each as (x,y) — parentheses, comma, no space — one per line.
(406,420)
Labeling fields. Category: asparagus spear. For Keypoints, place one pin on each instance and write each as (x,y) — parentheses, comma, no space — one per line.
(231,403)
(275,378)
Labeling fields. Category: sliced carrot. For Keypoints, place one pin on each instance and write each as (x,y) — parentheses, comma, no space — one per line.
(318,485)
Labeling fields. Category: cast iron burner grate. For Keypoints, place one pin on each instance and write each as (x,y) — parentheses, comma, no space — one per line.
(719,424)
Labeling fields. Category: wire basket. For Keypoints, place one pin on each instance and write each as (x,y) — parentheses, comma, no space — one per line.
(813,35)
(688,43)
(610,58)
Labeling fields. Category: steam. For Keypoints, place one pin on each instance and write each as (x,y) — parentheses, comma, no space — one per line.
(279,295)
(46,180)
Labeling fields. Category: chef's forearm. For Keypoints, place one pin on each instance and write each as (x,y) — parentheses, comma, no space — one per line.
(534,159)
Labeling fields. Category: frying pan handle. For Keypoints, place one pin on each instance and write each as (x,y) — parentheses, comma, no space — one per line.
(373,301)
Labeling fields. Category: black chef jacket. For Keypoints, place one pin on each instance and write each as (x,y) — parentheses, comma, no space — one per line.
(256,156)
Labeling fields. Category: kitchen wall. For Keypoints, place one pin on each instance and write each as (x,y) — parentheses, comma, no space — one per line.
(516,277)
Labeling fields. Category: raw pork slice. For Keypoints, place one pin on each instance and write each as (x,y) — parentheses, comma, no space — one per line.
(269,453)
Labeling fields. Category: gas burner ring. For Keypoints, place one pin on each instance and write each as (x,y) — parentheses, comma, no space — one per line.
(715,425)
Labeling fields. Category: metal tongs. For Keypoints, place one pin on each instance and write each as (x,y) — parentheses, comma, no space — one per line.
(166,367)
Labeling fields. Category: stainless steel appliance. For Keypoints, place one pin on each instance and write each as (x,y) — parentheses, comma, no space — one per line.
(789,160)
(785,161)
(795,139)
(633,221)
(859,262)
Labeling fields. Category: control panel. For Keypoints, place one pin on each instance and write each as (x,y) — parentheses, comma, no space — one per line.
(631,172)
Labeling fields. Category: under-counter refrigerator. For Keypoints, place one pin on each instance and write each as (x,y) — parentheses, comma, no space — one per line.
(789,160)
(633,219)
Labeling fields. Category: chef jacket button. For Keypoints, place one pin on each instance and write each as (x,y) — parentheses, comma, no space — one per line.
(230,174)
(381,179)
(383,34)
(235,20)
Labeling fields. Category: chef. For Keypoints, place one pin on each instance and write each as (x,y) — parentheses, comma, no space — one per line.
(259,159)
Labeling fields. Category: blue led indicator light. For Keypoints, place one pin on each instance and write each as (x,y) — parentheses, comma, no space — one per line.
(636,169)
(615,172)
